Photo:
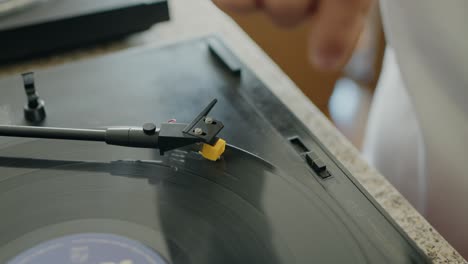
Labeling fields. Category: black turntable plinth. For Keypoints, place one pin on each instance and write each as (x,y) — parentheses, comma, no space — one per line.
(38,27)
(275,196)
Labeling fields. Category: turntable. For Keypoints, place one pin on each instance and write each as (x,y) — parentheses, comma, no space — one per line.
(36,27)
(275,195)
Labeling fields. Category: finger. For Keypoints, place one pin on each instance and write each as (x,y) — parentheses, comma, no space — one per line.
(335,31)
(238,5)
(288,12)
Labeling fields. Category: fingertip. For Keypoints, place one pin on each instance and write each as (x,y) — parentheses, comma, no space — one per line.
(330,57)
(335,33)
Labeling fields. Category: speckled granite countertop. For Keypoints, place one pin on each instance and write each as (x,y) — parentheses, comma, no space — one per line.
(194,18)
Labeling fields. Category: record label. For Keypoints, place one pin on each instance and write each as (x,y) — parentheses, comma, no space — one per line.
(89,248)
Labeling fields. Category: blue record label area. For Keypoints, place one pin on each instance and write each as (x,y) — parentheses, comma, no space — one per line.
(89,248)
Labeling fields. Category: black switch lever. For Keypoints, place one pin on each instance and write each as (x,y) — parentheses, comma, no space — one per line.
(317,164)
(34,110)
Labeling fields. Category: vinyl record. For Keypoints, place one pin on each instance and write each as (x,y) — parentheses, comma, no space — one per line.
(182,208)
(85,202)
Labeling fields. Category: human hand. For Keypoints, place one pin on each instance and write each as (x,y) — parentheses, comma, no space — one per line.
(336,24)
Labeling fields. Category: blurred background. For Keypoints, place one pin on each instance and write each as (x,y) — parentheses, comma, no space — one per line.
(344,97)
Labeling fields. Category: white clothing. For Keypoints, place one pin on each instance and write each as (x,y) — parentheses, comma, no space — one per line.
(417,134)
